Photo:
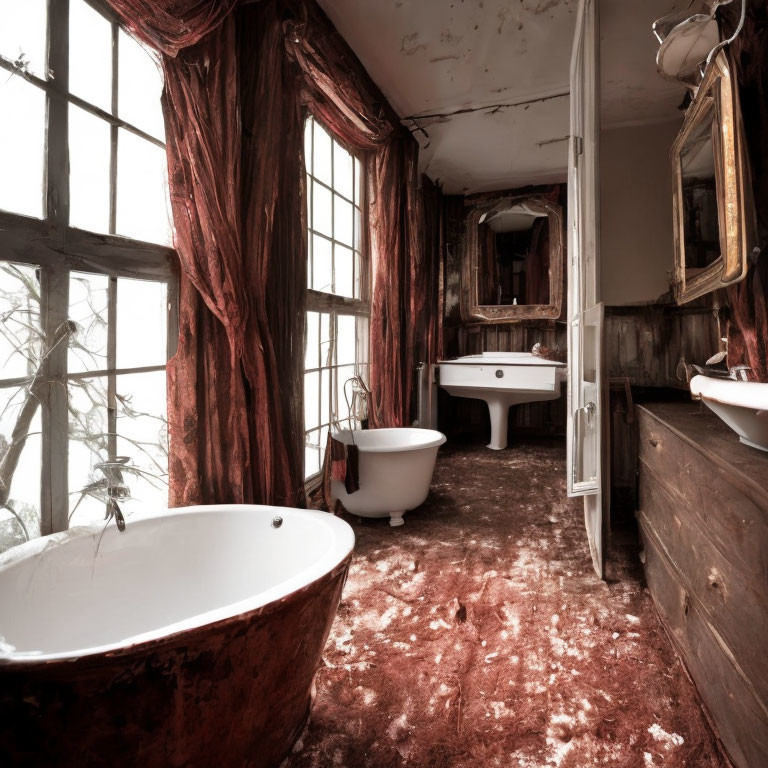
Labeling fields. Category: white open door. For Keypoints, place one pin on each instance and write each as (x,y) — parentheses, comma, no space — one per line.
(586,390)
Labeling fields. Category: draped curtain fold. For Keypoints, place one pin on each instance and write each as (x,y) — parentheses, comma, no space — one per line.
(233,437)
(171,25)
(237,82)
(748,329)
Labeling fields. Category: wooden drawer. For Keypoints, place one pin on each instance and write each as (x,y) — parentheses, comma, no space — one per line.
(732,517)
(732,601)
(739,714)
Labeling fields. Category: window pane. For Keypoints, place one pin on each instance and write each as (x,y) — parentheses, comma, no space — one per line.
(88,445)
(142,434)
(311,453)
(90,55)
(20,334)
(326,348)
(342,222)
(88,310)
(345,340)
(140,83)
(357,276)
(362,347)
(321,263)
(311,400)
(308,145)
(342,171)
(23,33)
(326,396)
(358,224)
(20,414)
(312,351)
(322,159)
(343,263)
(22,145)
(89,148)
(142,209)
(142,323)
(343,375)
(358,181)
(322,216)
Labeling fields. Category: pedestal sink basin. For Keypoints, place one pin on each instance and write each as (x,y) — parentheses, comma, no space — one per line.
(742,405)
(502,379)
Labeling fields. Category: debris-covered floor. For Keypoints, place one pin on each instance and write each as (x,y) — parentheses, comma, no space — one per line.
(477,635)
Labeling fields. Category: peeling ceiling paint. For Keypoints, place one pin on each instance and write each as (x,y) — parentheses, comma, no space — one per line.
(432,57)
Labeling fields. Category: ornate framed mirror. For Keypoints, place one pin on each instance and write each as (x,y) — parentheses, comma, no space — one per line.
(513,260)
(712,198)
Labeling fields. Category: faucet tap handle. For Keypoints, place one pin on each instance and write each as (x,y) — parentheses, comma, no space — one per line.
(739,372)
(113,474)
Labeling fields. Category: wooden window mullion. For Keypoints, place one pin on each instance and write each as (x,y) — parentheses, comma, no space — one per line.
(54,285)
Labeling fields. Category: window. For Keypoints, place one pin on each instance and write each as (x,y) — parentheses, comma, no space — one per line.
(337,289)
(87,288)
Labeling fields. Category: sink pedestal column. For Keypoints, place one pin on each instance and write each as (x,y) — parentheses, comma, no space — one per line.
(498,408)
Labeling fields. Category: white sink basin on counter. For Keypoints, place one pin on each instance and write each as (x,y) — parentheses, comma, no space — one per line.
(742,405)
(502,379)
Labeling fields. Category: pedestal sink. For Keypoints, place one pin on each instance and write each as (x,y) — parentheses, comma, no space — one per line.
(742,405)
(502,379)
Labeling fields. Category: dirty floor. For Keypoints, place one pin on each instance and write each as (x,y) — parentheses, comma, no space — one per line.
(477,635)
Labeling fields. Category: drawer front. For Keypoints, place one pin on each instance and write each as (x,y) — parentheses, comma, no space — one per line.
(731,519)
(532,378)
(738,712)
(732,601)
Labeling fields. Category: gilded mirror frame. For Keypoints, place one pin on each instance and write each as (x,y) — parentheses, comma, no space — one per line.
(718,93)
(471,309)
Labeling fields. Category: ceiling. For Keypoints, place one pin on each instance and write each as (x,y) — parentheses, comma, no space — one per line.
(507,62)
(631,90)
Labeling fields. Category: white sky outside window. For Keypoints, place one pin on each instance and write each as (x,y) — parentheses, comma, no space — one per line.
(140,85)
(22,146)
(23,31)
(142,190)
(89,149)
(90,55)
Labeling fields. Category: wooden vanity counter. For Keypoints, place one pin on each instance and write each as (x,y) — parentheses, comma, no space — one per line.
(703,515)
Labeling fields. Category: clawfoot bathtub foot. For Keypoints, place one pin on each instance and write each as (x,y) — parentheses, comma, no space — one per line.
(396,518)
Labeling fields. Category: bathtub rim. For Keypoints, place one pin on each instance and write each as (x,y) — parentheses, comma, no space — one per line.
(435,440)
(330,563)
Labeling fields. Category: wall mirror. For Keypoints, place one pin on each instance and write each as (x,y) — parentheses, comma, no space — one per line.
(713,209)
(513,260)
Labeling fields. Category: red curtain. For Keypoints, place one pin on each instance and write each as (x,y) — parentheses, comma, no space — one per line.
(235,432)
(171,25)
(236,85)
(748,329)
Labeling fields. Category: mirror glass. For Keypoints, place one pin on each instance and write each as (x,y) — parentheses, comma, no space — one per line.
(513,258)
(714,219)
(701,230)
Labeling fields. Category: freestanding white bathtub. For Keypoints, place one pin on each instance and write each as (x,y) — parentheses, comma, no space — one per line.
(396,467)
(191,638)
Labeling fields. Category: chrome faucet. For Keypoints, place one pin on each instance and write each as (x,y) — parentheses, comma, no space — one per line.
(115,487)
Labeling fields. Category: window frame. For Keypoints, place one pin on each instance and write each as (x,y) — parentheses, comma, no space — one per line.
(331,303)
(57,249)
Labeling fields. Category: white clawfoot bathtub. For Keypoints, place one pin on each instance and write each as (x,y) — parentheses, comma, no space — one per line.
(190,638)
(396,467)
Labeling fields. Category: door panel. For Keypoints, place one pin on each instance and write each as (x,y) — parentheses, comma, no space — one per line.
(587,447)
